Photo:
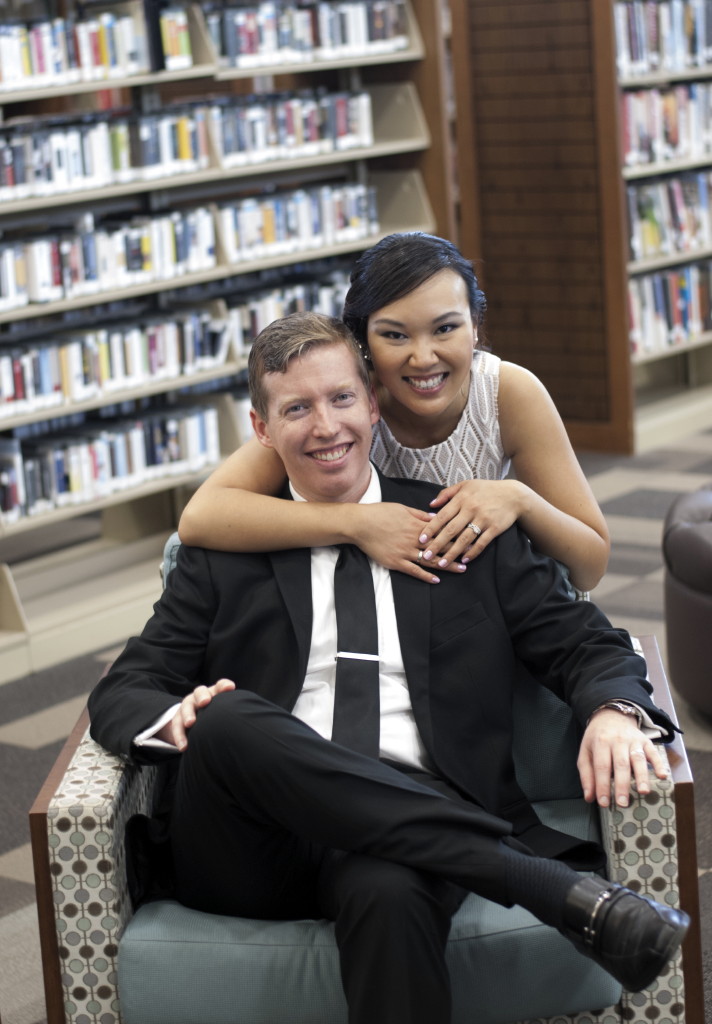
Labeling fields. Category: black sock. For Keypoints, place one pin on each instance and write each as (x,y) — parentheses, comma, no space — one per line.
(539,885)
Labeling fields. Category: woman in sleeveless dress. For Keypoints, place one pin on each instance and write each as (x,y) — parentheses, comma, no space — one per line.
(451,413)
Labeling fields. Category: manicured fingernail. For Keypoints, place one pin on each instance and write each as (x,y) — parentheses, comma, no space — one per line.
(422,538)
(442,563)
(461,567)
(427,555)
(465,560)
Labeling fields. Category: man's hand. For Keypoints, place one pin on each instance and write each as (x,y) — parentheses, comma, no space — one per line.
(614,747)
(175,731)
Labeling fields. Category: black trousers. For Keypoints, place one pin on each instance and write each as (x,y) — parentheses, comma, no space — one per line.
(272,821)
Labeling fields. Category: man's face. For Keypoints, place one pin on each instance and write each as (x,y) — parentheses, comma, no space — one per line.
(319,419)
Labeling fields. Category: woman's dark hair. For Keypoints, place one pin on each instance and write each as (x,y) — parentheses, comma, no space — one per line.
(395,267)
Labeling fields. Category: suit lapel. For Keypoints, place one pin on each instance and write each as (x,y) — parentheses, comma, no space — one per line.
(412,602)
(292,571)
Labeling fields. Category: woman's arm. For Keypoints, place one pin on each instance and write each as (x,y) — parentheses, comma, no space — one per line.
(235,509)
(550,498)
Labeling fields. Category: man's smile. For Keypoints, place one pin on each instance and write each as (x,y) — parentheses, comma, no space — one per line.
(331,454)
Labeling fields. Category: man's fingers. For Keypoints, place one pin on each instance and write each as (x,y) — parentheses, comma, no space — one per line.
(642,758)
(201,696)
(222,686)
(178,730)
(639,765)
(657,761)
(621,775)
(185,716)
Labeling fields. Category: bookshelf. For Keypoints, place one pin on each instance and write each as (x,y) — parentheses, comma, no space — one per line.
(81,571)
(552,113)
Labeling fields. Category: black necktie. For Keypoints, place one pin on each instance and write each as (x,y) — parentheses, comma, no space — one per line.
(356,698)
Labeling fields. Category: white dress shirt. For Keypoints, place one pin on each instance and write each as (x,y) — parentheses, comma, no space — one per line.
(400,740)
(399,737)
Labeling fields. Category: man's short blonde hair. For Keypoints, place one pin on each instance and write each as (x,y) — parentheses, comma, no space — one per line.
(292,336)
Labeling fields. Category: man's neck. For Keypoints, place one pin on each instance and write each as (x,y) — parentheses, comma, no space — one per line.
(370,495)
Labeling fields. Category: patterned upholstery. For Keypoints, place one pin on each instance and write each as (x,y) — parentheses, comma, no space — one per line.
(98,793)
(86,820)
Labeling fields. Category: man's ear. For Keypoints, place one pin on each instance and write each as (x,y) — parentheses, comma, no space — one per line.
(261,430)
(373,405)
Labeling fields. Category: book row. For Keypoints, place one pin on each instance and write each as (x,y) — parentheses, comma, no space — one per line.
(77,465)
(655,36)
(103,362)
(95,257)
(134,37)
(61,51)
(310,123)
(297,221)
(670,308)
(60,155)
(247,318)
(659,125)
(670,216)
(254,35)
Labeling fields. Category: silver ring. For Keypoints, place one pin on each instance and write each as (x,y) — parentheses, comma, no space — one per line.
(475,529)
(637,750)
(420,554)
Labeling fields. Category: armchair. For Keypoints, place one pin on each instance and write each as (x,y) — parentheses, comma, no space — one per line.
(165,964)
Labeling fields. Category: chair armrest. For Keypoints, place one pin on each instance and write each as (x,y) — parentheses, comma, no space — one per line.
(650,847)
(77,828)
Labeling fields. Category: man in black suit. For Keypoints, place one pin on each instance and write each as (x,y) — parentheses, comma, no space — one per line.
(232,683)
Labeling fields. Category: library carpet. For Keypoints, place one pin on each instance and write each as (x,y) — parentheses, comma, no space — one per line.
(37,712)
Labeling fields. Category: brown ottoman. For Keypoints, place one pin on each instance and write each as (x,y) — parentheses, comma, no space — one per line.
(687,552)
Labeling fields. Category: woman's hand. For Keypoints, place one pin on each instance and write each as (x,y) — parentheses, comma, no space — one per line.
(388,533)
(471,515)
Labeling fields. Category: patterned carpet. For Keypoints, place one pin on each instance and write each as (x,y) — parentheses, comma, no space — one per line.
(36,713)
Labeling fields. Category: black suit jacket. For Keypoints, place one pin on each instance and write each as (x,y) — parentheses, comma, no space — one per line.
(248,617)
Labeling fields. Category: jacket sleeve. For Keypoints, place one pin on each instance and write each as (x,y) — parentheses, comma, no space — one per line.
(570,646)
(159,667)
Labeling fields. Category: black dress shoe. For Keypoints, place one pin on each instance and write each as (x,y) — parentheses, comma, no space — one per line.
(630,936)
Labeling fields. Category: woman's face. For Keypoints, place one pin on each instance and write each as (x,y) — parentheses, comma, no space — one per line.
(421,348)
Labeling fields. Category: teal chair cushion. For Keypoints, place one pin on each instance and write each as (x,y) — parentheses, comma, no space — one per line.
(179,965)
